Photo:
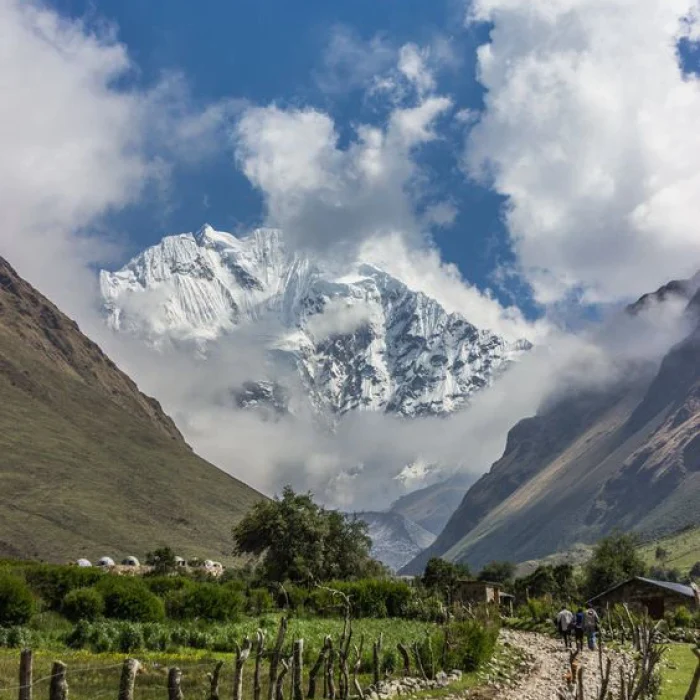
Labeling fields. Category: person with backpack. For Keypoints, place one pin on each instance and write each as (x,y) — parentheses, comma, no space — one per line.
(564,622)
(578,629)
(591,622)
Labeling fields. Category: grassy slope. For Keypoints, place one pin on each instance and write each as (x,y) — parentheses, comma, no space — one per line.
(89,465)
(683,548)
(679,666)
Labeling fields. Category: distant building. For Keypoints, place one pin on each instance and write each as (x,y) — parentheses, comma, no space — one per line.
(475,592)
(131,561)
(646,594)
(106,561)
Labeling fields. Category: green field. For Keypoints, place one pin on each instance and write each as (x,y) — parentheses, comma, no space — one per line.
(91,676)
(678,668)
(683,550)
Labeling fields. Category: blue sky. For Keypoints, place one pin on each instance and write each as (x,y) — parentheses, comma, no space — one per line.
(273,51)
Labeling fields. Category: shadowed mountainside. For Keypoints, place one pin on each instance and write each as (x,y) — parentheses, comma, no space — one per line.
(89,464)
(627,456)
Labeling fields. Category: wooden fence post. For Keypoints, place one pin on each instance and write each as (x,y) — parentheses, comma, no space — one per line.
(59,685)
(259,651)
(298,670)
(174,681)
(126,684)
(406,658)
(274,661)
(330,668)
(25,675)
(214,681)
(279,682)
(376,649)
(316,668)
(242,654)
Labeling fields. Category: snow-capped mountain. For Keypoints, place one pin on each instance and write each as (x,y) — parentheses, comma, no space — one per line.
(396,540)
(358,337)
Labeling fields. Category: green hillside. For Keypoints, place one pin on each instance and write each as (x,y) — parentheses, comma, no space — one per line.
(89,465)
(683,550)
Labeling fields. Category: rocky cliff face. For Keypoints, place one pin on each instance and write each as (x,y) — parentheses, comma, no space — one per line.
(358,338)
(625,456)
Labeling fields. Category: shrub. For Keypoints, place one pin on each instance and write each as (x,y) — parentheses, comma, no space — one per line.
(471,644)
(129,599)
(259,601)
(207,601)
(682,617)
(130,638)
(16,601)
(162,585)
(52,583)
(83,604)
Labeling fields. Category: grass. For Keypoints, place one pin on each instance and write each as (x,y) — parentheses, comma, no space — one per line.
(91,676)
(678,668)
(683,550)
(89,465)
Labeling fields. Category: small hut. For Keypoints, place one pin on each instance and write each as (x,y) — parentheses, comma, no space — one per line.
(646,594)
(131,561)
(476,592)
(83,563)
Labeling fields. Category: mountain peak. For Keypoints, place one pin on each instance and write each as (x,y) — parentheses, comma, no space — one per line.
(360,338)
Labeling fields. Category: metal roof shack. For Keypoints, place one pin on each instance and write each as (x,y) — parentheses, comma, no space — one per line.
(656,597)
(467,591)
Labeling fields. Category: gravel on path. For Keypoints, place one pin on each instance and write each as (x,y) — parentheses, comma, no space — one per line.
(547,663)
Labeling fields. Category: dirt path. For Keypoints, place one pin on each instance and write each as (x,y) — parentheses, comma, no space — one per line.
(545,667)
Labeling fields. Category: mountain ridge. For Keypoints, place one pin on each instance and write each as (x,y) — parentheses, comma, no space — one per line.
(623,455)
(90,465)
(358,337)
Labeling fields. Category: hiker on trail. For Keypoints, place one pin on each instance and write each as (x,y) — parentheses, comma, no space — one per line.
(590,627)
(565,624)
(578,629)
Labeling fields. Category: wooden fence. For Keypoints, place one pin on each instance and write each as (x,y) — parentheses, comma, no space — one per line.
(334,673)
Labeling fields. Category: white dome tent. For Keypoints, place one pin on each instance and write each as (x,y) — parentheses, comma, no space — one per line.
(130,561)
(106,561)
(83,563)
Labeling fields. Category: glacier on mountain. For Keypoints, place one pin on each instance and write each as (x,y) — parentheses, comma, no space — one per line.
(357,337)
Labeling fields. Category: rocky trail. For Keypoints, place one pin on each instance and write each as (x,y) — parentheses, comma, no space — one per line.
(540,670)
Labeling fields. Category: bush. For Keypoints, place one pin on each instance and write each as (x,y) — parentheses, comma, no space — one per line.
(682,617)
(16,601)
(129,599)
(83,604)
(471,644)
(52,583)
(207,601)
(259,601)
(162,585)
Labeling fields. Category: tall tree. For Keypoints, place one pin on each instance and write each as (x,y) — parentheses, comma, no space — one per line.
(615,559)
(302,541)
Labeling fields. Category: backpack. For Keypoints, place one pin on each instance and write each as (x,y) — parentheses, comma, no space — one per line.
(578,623)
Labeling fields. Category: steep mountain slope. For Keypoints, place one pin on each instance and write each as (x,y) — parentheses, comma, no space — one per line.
(358,337)
(431,507)
(395,539)
(625,456)
(89,465)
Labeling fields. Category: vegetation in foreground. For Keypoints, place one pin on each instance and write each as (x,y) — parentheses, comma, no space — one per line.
(677,668)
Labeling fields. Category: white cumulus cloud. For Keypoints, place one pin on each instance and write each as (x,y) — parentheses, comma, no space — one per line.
(590,130)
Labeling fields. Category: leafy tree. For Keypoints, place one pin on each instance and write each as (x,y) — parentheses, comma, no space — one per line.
(440,576)
(130,599)
(301,541)
(615,559)
(162,560)
(497,572)
(16,601)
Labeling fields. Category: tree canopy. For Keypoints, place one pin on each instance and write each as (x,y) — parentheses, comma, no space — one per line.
(441,576)
(497,572)
(301,541)
(615,559)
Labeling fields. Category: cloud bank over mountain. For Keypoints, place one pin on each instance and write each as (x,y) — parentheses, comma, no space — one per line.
(598,168)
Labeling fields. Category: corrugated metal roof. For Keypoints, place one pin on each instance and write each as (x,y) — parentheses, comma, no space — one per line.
(668,585)
(675,587)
